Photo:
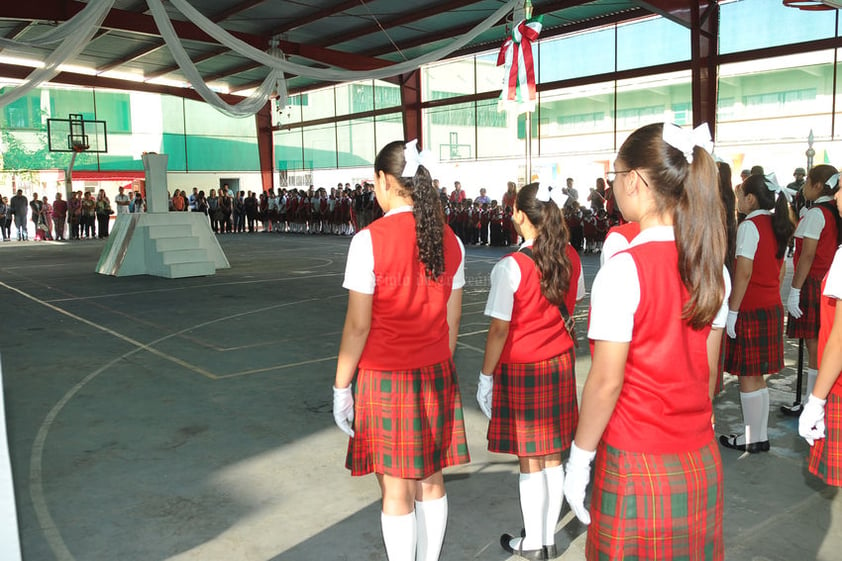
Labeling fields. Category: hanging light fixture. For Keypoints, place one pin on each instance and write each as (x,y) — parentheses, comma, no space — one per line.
(814,5)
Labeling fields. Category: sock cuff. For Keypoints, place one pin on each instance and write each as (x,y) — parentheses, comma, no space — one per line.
(431,503)
(754,394)
(396,518)
(813,371)
(553,470)
(535,475)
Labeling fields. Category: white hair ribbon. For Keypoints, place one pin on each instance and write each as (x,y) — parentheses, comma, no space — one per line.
(772,184)
(832,181)
(546,194)
(414,158)
(684,140)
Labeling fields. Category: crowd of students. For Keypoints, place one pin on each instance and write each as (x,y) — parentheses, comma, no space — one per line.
(681,287)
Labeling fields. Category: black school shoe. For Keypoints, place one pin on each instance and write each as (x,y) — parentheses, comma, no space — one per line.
(532,554)
(730,441)
(793,410)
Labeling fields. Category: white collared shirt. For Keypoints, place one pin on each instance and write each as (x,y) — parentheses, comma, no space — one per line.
(747,235)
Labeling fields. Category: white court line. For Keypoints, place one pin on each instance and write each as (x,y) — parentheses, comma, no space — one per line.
(36,484)
(280,367)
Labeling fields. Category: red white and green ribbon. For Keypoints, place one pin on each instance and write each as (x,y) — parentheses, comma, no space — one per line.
(518,62)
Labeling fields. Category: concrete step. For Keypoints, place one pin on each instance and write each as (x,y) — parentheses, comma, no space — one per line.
(185,256)
(170,231)
(195,269)
(163,245)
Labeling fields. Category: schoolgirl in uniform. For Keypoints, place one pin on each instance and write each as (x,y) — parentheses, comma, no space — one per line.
(405,274)
(816,240)
(657,310)
(618,239)
(754,346)
(821,421)
(529,392)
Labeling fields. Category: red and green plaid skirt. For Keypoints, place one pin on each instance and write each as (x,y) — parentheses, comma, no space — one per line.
(534,410)
(407,423)
(656,506)
(807,326)
(759,346)
(826,453)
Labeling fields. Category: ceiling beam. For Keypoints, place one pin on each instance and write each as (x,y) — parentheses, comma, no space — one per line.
(73,79)
(403,19)
(236,9)
(133,22)
(677,11)
(18,30)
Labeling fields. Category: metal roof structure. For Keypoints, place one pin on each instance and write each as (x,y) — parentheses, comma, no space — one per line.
(128,52)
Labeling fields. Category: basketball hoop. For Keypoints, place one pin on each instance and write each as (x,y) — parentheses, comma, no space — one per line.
(79,146)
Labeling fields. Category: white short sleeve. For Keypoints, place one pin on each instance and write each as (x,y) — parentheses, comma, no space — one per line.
(811,225)
(722,314)
(505,280)
(580,285)
(459,277)
(747,239)
(614,243)
(615,296)
(833,286)
(359,268)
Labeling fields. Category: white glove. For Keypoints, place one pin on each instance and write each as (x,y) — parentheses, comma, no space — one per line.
(343,409)
(811,421)
(793,303)
(577,476)
(731,324)
(484,393)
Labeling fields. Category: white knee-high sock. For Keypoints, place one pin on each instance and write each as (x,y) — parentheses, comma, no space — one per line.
(431,523)
(764,420)
(533,500)
(555,498)
(812,374)
(753,414)
(399,536)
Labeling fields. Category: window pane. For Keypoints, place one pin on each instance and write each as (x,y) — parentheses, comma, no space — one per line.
(451,79)
(781,98)
(320,146)
(317,104)
(291,113)
(651,42)
(386,95)
(575,120)
(354,98)
(450,131)
(288,154)
(497,132)
(24,113)
(585,54)
(755,24)
(387,128)
(355,145)
(489,75)
(216,142)
(652,99)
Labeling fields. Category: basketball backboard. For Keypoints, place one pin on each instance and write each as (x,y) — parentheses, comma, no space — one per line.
(77,135)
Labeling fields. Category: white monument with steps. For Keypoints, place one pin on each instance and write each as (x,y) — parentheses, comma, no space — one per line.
(159,242)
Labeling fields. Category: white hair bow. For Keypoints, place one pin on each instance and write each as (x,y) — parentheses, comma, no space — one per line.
(684,139)
(832,181)
(414,158)
(546,194)
(772,184)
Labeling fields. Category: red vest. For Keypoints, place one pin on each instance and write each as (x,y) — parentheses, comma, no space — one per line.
(764,289)
(664,405)
(536,330)
(826,248)
(827,313)
(409,312)
(629,230)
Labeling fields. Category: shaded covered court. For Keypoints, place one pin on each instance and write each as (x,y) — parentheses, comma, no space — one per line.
(190,419)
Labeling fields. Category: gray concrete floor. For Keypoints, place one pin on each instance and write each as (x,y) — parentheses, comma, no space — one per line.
(153,419)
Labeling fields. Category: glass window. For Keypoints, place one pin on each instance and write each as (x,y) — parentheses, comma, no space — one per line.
(318,104)
(497,132)
(451,131)
(354,98)
(651,99)
(756,24)
(290,114)
(489,75)
(776,99)
(386,95)
(24,113)
(320,146)
(651,42)
(115,109)
(288,150)
(584,54)
(168,125)
(355,142)
(216,142)
(386,129)
(64,102)
(450,79)
(573,120)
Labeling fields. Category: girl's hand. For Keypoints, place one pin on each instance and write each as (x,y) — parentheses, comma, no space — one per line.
(731,324)
(793,303)
(343,410)
(485,391)
(811,422)
(577,476)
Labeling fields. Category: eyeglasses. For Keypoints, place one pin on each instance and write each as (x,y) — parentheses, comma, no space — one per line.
(612,175)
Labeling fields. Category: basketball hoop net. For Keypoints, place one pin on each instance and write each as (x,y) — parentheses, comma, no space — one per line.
(79,147)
